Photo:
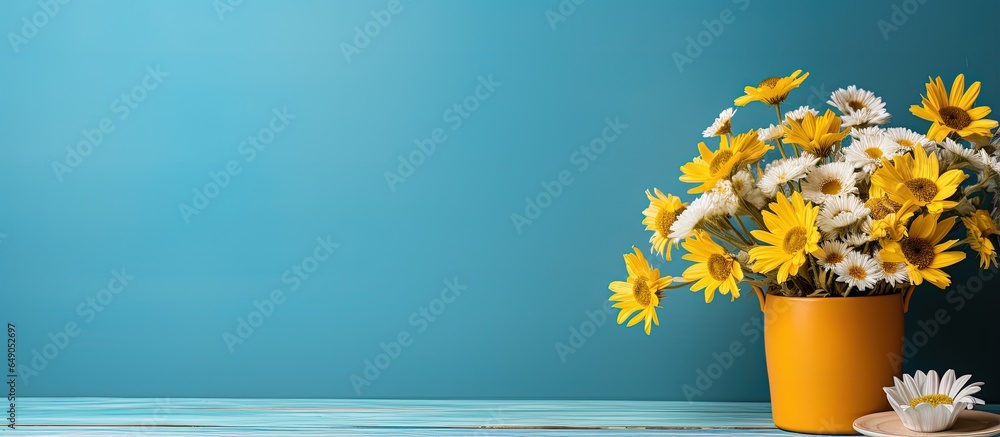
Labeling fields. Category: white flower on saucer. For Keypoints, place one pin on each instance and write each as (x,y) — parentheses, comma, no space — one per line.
(926,404)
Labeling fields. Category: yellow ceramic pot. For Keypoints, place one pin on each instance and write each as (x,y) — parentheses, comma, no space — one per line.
(828,359)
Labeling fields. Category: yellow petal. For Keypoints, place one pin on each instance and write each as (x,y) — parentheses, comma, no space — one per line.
(957,89)
(970,97)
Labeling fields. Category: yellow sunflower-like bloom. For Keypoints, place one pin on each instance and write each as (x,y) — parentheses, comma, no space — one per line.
(641,291)
(772,90)
(953,112)
(916,179)
(714,268)
(661,214)
(791,234)
(923,252)
(980,227)
(815,134)
(712,166)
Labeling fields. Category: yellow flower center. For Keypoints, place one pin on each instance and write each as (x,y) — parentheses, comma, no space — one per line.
(834,258)
(795,240)
(905,143)
(890,268)
(769,82)
(720,267)
(857,272)
(855,105)
(664,220)
(643,296)
(719,160)
(874,152)
(933,400)
(918,251)
(955,117)
(831,187)
(882,206)
(726,128)
(923,189)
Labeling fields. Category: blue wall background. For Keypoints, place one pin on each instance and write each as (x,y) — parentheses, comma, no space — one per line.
(324,174)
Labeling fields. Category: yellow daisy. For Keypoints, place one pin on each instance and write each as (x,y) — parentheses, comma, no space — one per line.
(980,228)
(791,235)
(640,292)
(923,252)
(714,267)
(953,112)
(772,90)
(712,166)
(816,134)
(889,218)
(915,178)
(661,214)
(751,148)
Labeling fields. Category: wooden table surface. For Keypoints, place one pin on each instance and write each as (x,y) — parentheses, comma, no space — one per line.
(273,417)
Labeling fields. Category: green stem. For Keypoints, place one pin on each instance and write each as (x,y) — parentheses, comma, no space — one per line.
(737,231)
(781,147)
(752,241)
(755,214)
(726,238)
(677,285)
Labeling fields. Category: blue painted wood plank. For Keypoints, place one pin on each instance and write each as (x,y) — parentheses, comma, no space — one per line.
(271,417)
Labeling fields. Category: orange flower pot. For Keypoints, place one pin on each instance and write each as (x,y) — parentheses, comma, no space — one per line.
(828,358)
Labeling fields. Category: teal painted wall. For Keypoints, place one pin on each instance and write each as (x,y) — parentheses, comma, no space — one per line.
(238,150)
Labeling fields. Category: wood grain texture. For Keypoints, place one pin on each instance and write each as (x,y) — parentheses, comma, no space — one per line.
(273,417)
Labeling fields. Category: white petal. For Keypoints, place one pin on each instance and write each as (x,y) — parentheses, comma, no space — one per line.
(895,397)
(904,390)
(957,386)
(966,394)
(912,386)
(947,382)
(931,383)
(969,390)
(933,419)
(918,380)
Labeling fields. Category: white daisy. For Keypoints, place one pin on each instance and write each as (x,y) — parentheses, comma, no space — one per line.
(693,216)
(840,213)
(829,180)
(723,199)
(719,202)
(866,152)
(893,273)
(989,161)
(866,132)
(722,124)
(866,224)
(831,254)
(746,188)
(859,107)
(907,139)
(866,116)
(800,113)
(783,171)
(928,404)
(958,153)
(770,133)
(856,239)
(859,270)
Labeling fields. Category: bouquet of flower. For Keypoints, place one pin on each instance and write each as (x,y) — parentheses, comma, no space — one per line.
(851,207)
